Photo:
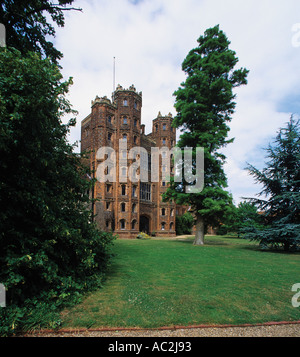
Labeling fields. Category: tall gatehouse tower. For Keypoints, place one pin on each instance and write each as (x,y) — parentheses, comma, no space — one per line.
(127,206)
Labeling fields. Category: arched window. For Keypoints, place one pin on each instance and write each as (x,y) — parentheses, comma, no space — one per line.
(133,224)
(122,223)
(163,226)
(123,190)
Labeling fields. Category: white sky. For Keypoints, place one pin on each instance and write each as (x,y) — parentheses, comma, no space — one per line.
(151,38)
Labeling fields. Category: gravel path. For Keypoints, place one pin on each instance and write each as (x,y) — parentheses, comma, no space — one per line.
(281,330)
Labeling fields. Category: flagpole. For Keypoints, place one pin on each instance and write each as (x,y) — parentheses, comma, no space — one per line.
(114,74)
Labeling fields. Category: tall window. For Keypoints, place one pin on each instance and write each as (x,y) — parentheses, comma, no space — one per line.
(125,103)
(109,136)
(163,211)
(145,191)
(133,208)
(163,226)
(133,191)
(164,141)
(123,207)
(125,120)
(133,224)
(164,126)
(123,190)
(122,223)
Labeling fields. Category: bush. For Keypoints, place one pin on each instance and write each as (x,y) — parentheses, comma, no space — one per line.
(184,224)
(143,235)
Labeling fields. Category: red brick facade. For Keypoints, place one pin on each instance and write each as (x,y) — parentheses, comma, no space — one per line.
(129,207)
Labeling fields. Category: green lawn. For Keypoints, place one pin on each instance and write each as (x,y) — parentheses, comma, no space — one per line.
(171,282)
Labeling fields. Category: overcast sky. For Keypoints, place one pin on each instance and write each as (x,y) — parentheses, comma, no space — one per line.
(151,38)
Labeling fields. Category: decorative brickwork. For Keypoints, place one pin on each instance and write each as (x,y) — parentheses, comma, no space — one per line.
(129,207)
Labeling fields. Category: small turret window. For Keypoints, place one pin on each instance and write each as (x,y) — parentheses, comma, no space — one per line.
(125,103)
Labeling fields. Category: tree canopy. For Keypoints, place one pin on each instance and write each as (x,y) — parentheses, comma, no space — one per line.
(28,26)
(280,197)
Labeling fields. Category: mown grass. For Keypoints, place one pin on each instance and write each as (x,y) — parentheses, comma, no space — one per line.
(171,282)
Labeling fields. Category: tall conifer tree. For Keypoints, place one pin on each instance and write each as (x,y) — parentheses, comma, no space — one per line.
(204,105)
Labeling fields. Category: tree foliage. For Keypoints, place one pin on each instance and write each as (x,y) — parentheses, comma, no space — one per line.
(51,251)
(243,216)
(49,246)
(184,223)
(280,196)
(204,105)
(28,25)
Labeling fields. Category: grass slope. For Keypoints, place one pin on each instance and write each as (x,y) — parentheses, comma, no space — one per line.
(166,282)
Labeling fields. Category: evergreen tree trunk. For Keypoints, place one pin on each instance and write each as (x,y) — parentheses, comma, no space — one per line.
(199,237)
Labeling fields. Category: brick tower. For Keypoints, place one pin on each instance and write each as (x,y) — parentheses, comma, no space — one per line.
(126,206)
